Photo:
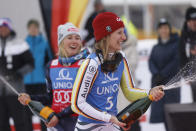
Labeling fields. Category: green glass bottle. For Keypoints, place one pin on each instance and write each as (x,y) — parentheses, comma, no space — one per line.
(45,113)
(135,110)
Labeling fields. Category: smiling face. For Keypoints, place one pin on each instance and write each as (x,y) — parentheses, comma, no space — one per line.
(72,44)
(115,40)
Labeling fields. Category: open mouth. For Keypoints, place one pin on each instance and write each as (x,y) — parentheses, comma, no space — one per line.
(73,46)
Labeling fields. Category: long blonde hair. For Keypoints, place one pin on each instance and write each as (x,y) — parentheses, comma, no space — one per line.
(103,46)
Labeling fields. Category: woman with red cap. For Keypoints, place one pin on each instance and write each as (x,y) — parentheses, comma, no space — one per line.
(101,75)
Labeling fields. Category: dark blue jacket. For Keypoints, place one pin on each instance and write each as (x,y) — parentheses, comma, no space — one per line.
(164,64)
(41,52)
(164,58)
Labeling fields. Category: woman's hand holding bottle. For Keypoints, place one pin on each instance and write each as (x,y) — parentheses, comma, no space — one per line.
(24,98)
(114,120)
(53,122)
(157,93)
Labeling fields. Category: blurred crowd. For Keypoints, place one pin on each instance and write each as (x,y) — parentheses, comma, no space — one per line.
(23,65)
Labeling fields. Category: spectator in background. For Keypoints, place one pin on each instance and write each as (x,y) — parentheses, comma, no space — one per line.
(89,39)
(35,80)
(163,64)
(188,34)
(15,60)
(129,47)
(193,48)
(193,66)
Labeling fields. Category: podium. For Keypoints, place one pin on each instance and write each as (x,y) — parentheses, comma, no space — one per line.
(181,117)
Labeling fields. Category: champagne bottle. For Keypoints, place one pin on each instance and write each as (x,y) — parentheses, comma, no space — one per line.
(136,109)
(45,113)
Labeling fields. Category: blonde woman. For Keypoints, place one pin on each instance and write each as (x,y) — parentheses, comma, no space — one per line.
(101,75)
(60,76)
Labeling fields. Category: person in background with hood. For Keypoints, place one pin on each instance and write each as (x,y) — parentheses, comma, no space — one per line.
(187,43)
(89,39)
(187,34)
(16,61)
(164,64)
(35,80)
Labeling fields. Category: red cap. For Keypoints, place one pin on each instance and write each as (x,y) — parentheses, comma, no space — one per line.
(105,23)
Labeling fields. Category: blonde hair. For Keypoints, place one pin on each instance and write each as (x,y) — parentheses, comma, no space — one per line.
(62,52)
(103,46)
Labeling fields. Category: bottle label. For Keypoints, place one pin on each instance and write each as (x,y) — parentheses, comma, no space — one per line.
(45,112)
